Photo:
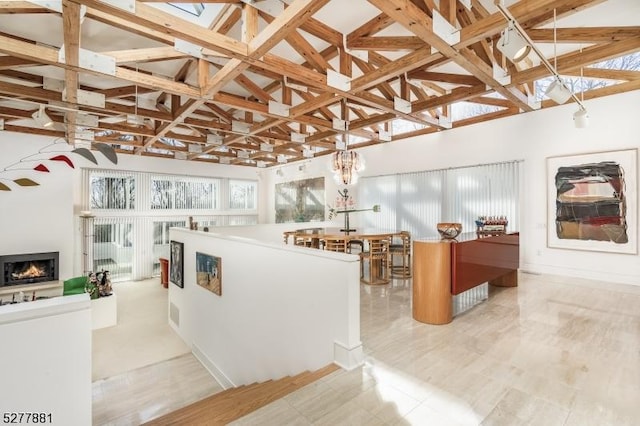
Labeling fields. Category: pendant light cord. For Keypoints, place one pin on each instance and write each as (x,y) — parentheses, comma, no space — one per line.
(555,42)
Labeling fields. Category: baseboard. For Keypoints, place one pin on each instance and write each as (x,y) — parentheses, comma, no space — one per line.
(581,274)
(211,367)
(348,358)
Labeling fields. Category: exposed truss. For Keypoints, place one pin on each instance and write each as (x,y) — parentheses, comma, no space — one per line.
(257,87)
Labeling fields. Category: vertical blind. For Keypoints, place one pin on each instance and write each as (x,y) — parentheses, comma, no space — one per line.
(133,212)
(416,202)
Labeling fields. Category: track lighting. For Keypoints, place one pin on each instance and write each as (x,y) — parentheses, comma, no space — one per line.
(581,118)
(558,91)
(41,117)
(512,44)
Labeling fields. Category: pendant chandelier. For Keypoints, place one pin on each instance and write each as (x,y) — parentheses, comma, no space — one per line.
(346,164)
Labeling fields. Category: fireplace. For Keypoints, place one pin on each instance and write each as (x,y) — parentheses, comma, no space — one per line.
(18,269)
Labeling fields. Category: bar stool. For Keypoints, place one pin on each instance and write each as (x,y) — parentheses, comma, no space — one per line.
(401,248)
(378,257)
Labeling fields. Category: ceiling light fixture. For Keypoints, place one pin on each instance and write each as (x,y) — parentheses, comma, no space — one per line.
(581,117)
(41,117)
(512,44)
(346,164)
(558,90)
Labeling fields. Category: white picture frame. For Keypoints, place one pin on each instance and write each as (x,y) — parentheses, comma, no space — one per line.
(582,213)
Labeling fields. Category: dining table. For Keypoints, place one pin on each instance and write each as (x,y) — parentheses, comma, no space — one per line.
(316,237)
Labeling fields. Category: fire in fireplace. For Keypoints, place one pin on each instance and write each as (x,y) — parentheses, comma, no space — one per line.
(34,270)
(28,268)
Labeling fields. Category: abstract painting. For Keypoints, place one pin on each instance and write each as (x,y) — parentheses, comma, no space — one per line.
(592,201)
(176,259)
(209,272)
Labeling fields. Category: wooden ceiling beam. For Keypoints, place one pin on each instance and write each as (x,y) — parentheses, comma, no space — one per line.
(575,60)
(600,92)
(15,7)
(525,11)
(49,56)
(11,62)
(486,100)
(293,16)
(466,80)
(155,19)
(456,95)
(583,34)
(224,25)
(132,27)
(416,21)
(146,55)
(605,74)
(370,28)
(71,33)
(560,9)
(390,43)
(303,47)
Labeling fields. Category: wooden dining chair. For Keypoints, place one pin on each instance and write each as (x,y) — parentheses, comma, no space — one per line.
(359,244)
(378,259)
(401,247)
(336,244)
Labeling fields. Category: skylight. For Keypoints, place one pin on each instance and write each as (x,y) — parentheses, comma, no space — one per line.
(194,9)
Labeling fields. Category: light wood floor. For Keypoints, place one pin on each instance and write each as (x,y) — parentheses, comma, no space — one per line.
(553,351)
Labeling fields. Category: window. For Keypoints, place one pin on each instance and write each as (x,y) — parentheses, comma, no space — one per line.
(112,192)
(195,195)
(116,233)
(447,195)
(162,193)
(102,234)
(135,210)
(175,193)
(243,194)
(161,230)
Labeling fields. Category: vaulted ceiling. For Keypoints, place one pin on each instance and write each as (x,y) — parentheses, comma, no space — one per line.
(258,83)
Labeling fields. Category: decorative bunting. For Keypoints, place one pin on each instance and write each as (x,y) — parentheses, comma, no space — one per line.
(26,182)
(4,187)
(63,158)
(41,168)
(84,152)
(107,151)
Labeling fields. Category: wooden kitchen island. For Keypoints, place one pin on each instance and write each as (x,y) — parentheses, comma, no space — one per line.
(445,268)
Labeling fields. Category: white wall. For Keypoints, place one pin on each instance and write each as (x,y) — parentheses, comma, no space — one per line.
(44,218)
(46,359)
(283,309)
(269,232)
(40,218)
(531,137)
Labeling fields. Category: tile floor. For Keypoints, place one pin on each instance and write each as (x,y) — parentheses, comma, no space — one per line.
(554,351)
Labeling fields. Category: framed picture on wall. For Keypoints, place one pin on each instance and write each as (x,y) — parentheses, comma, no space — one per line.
(592,202)
(300,200)
(209,272)
(176,261)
